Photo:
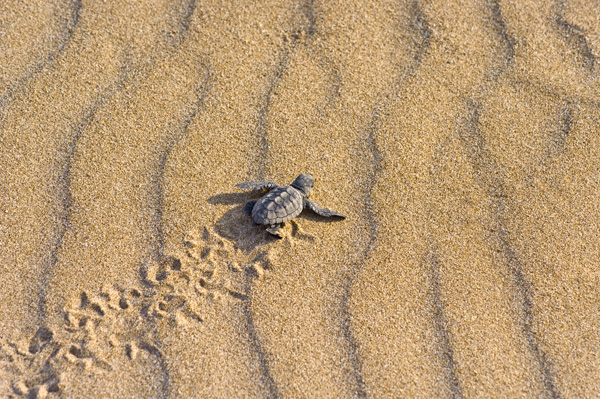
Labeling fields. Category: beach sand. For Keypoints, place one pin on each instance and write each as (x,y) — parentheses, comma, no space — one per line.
(461,140)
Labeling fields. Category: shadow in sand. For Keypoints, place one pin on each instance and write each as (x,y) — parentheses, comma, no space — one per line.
(229,199)
(236,225)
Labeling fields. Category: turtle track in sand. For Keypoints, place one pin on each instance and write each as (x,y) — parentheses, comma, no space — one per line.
(207,274)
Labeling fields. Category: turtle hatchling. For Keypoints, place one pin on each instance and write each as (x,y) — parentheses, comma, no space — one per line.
(283,203)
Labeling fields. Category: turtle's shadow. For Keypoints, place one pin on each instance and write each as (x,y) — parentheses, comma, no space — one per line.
(236,225)
(229,199)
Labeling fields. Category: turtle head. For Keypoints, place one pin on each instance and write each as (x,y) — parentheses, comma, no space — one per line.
(304,183)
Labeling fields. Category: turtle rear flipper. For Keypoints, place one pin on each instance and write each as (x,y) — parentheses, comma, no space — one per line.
(257,185)
(274,230)
(321,211)
(248,207)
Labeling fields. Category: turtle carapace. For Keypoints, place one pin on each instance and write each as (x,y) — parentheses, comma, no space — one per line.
(283,203)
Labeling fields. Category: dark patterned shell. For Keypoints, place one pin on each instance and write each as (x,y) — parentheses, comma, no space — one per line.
(278,205)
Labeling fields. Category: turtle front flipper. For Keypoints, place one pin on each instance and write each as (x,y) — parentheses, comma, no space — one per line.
(321,211)
(274,230)
(257,185)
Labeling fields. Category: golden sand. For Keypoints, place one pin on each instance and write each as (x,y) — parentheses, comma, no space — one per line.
(460,138)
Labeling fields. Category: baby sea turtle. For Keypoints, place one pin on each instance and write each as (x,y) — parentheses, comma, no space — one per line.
(283,203)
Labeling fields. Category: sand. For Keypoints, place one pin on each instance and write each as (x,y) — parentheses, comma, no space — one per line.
(461,139)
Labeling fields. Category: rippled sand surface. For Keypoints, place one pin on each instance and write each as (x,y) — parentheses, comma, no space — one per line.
(460,138)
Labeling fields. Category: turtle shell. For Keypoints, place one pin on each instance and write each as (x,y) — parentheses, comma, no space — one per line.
(278,205)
